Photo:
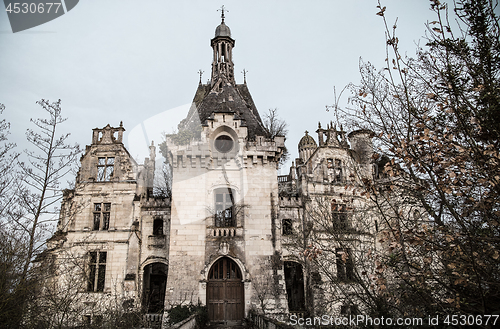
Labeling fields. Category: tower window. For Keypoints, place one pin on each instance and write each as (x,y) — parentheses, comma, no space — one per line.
(345,265)
(224,206)
(102,213)
(158,226)
(287,226)
(105,168)
(96,271)
(339,216)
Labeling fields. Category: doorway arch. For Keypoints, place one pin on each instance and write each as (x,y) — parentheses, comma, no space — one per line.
(154,285)
(294,281)
(225,292)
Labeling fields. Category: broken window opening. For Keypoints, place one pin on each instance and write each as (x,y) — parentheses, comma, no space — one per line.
(345,265)
(339,216)
(97,271)
(105,168)
(287,226)
(158,226)
(102,213)
(224,208)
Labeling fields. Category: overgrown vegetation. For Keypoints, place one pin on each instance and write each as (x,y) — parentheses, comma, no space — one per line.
(179,313)
(436,118)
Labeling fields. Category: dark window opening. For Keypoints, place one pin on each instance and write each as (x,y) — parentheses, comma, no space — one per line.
(224,208)
(97,271)
(339,216)
(287,226)
(349,309)
(102,214)
(294,282)
(335,170)
(345,265)
(158,226)
(105,168)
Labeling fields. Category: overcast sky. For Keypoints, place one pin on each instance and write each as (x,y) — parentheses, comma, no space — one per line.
(137,61)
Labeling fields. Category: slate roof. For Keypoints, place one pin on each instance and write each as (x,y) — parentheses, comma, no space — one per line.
(225,99)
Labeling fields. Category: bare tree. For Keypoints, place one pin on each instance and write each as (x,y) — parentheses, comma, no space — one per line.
(276,127)
(438,193)
(29,214)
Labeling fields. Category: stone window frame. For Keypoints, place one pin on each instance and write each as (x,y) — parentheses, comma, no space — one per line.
(340,215)
(345,265)
(105,168)
(335,170)
(101,216)
(158,224)
(286,226)
(96,273)
(224,207)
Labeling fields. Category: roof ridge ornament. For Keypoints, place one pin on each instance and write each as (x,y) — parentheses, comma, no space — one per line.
(222,9)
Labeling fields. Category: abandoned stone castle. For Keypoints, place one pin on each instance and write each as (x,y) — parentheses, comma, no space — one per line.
(227,235)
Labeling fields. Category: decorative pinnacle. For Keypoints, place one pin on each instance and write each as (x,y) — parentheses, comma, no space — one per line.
(222,9)
(307,132)
(200,72)
(244,76)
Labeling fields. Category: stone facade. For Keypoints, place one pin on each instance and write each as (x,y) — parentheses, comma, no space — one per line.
(229,235)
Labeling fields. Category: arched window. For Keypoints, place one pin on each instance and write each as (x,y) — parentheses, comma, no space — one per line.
(224,268)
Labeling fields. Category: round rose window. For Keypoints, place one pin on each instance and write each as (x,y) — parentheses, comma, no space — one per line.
(224,144)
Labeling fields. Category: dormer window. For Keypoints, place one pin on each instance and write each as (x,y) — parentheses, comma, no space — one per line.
(105,169)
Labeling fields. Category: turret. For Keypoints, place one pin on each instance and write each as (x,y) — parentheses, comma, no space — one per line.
(307,145)
(361,143)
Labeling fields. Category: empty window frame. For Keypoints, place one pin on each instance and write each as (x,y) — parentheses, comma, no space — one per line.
(340,217)
(96,271)
(158,226)
(105,168)
(102,212)
(224,208)
(345,265)
(335,170)
(287,226)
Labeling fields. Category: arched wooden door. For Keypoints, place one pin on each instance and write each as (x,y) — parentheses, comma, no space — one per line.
(225,299)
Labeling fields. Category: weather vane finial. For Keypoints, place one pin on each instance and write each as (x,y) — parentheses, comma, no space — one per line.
(222,9)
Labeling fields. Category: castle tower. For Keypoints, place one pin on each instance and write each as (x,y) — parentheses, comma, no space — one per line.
(224,241)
